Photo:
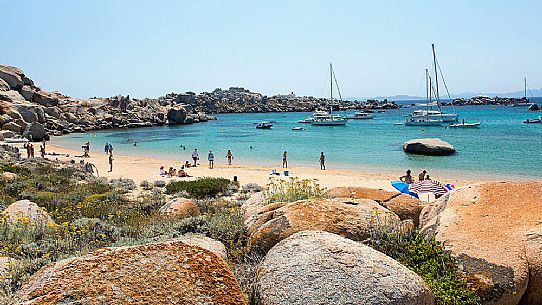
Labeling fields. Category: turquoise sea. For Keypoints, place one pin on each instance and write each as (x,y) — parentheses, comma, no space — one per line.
(503,147)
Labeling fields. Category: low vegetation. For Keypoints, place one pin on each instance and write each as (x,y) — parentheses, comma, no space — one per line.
(429,260)
(291,190)
(200,188)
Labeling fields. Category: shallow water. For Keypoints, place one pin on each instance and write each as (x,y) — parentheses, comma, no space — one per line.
(502,147)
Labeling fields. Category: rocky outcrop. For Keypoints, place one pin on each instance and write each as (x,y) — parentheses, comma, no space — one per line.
(351,218)
(315,267)
(165,273)
(176,115)
(378,195)
(22,103)
(205,242)
(35,132)
(495,233)
(180,207)
(429,147)
(26,211)
(12,76)
(404,206)
(253,204)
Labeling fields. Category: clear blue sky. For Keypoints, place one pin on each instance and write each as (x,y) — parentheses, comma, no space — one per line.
(149,48)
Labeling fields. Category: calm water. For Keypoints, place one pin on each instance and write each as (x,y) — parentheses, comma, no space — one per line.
(502,146)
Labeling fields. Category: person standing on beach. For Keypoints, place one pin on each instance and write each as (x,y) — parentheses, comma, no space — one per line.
(110,148)
(211,158)
(421,176)
(322,161)
(42,150)
(284,160)
(110,162)
(229,156)
(195,157)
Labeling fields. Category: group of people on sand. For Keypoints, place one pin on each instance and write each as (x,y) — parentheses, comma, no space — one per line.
(210,158)
(30,150)
(409,179)
(173,172)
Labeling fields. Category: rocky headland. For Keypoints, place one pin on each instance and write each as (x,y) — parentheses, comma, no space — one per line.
(29,111)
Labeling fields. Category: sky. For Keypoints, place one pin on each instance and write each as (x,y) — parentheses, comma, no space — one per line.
(150,48)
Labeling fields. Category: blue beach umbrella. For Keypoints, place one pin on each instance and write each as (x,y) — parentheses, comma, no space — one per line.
(403,187)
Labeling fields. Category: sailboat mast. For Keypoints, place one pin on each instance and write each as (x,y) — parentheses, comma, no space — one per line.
(525,85)
(331,88)
(427,85)
(436,75)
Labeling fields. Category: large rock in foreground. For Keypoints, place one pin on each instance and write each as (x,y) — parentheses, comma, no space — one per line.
(495,232)
(405,206)
(315,267)
(429,147)
(165,273)
(351,218)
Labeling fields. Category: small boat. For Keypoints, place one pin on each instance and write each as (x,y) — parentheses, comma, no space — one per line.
(264,125)
(361,116)
(298,128)
(466,125)
(532,121)
(16,140)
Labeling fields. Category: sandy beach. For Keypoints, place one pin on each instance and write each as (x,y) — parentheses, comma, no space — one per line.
(141,168)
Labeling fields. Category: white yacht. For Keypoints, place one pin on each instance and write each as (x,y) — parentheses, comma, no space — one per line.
(361,116)
(436,115)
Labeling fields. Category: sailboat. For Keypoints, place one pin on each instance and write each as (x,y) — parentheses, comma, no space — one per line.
(330,120)
(524,100)
(425,117)
(430,117)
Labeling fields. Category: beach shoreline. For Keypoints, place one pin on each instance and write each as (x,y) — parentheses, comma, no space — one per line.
(141,168)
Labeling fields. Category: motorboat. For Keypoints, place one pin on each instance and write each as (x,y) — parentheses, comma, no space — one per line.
(465,125)
(298,128)
(533,121)
(361,116)
(264,125)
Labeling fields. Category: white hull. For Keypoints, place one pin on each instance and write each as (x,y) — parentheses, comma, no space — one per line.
(466,125)
(330,122)
(423,122)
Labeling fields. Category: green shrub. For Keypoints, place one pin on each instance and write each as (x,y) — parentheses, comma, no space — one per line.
(200,188)
(429,260)
(292,190)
